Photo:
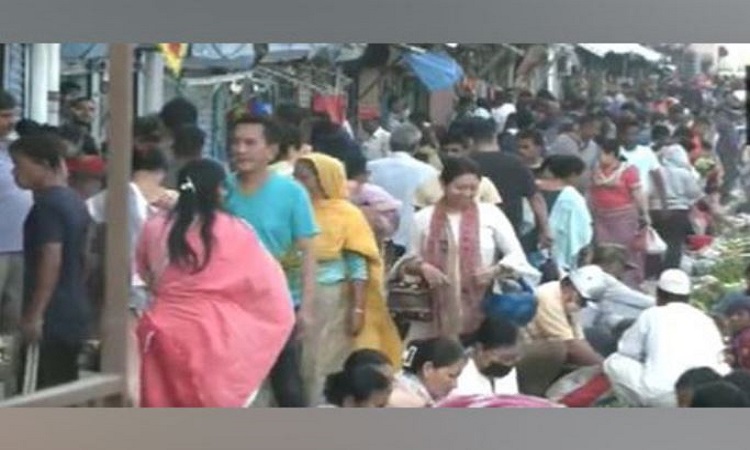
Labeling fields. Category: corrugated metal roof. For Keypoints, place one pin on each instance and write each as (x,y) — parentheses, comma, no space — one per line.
(603,50)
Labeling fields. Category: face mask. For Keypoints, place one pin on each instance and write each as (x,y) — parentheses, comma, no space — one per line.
(496,370)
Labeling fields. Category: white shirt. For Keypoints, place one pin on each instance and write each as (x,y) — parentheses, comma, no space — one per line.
(378,145)
(400,175)
(670,340)
(501,115)
(645,160)
(496,236)
(140,210)
(472,382)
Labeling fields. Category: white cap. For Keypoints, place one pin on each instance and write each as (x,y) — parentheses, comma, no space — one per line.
(675,281)
(589,281)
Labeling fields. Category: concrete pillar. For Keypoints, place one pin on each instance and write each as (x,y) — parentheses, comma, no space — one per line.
(117,281)
(39,82)
(53,88)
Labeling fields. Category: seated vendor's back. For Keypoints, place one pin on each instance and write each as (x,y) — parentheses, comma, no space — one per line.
(675,337)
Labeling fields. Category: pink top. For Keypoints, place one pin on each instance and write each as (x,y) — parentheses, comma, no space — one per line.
(617,195)
(212,337)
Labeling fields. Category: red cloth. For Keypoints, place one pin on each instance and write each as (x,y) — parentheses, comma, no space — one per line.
(586,395)
(87,165)
(439,242)
(212,337)
(369,113)
(496,401)
(333,105)
(618,195)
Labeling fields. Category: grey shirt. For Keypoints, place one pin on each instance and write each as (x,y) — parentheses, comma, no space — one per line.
(15,205)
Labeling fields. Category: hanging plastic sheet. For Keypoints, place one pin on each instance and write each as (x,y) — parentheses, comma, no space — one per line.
(437,71)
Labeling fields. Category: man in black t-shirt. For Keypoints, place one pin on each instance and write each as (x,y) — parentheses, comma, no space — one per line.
(56,311)
(511,177)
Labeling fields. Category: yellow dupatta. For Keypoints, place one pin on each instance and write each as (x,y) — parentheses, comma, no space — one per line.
(344,228)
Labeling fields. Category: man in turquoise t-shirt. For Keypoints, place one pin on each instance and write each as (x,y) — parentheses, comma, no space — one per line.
(280,211)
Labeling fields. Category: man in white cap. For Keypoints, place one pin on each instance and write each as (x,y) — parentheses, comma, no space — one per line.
(554,339)
(665,342)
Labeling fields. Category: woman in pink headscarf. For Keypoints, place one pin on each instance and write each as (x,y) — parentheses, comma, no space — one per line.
(221,310)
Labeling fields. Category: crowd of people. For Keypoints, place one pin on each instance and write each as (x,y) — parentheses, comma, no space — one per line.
(403,264)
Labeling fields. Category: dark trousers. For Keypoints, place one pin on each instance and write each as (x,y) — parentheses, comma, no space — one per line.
(674,227)
(58,363)
(286,376)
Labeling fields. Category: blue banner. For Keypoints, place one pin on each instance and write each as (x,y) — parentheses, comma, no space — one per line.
(437,71)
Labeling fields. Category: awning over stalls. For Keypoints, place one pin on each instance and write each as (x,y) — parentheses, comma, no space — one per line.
(278,53)
(602,50)
(82,51)
(437,71)
(224,56)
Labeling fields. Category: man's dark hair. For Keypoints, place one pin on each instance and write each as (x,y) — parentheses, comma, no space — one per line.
(66,87)
(454,137)
(178,111)
(626,124)
(291,138)
(291,113)
(532,135)
(741,379)
(588,119)
(189,141)
(46,149)
(147,128)
(78,100)
(668,297)
(271,129)
(481,130)
(721,394)
(696,377)
(7,101)
(151,159)
(660,132)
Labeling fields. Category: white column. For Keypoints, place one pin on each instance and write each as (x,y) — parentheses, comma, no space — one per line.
(552,81)
(53,89)
(39,83)
(154,83)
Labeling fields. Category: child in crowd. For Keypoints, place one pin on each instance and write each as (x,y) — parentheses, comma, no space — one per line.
(721,394)
(690,381)
(738,314)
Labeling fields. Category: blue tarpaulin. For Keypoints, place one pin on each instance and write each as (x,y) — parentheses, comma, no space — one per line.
(437,71)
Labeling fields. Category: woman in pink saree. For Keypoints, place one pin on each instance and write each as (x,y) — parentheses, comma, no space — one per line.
(221,310)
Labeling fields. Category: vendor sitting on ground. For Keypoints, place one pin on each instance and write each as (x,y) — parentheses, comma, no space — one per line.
(554,338)
(665,342)
(490,368)
(612,308)
(431,368)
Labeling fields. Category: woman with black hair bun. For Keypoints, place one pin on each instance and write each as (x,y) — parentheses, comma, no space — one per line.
(363,386)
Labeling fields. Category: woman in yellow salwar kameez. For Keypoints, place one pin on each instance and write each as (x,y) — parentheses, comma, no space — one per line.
(350,310)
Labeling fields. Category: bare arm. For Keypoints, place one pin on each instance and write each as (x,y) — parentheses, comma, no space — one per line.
(581,353)
(309,265)
(47,276)
(641,200)
(539,206)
